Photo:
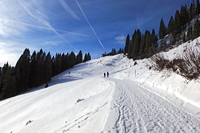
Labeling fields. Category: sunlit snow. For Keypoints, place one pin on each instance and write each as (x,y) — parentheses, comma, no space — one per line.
(132,99)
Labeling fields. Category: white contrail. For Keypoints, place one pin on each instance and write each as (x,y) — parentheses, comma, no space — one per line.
(59,34)
(89,23)
(41,27)
(68,9)
(43,22)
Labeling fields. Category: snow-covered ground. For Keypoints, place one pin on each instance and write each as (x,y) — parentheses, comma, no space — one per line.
(132,99)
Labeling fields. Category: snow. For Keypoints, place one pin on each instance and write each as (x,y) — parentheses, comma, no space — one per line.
(132,99)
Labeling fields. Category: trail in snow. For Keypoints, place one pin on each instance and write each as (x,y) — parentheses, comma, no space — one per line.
(135,109)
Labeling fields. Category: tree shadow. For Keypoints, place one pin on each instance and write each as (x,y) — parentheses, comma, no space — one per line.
(58,79)
(63,79)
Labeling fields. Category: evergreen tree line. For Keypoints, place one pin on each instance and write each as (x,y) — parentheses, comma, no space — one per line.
(140,45)
(34,70)
(179,26)
(113,52)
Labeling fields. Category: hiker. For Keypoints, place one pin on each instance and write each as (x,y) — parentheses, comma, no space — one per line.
(104,74)
(107,74)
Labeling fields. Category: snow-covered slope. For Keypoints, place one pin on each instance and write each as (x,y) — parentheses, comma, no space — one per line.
(81,100)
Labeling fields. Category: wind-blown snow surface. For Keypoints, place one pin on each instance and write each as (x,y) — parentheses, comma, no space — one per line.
(132,99)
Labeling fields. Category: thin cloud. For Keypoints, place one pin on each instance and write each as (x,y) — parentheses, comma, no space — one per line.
(8,10)
(40,27)
(89,24)
(120,39)
(68,9)
(10,51)
(7,55)
(8,29)
(40,19)
(51,43)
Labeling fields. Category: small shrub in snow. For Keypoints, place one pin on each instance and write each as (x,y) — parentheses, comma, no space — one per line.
(158,62)
(47,85)
(187,65)
(175,64)
(79,100)
(190,68)
(135,63)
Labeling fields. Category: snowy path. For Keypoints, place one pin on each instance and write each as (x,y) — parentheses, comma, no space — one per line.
(135,109)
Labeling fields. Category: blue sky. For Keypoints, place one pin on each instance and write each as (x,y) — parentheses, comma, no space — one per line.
(61,26)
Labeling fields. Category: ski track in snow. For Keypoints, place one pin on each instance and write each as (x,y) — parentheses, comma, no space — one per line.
(140,111)
(81,121)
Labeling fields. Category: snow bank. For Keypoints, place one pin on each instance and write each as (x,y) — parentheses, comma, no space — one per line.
(185,92)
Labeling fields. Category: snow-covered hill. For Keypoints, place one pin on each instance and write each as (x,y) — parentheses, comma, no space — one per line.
(132,99)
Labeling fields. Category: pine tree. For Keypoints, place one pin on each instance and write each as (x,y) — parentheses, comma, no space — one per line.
(171,25)
(120,51)
(113,52)
(63,62)
(148,41)
(8,82)
(53,66)
(153,43)
(154,38)
(162,29)
(197,7)
(85,58)
(184,38)
(41,55)
(136,44)
(22,71)
(184,17)
(127,44)
(89,56)
(72,59)
(130,47)
(192,11)
(196,28)
(47,68)
(58,64)
(34,72)
(79,58)
(142,45)
(177,27)
(190,33)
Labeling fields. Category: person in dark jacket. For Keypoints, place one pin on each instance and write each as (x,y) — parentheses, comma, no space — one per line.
(107,74)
